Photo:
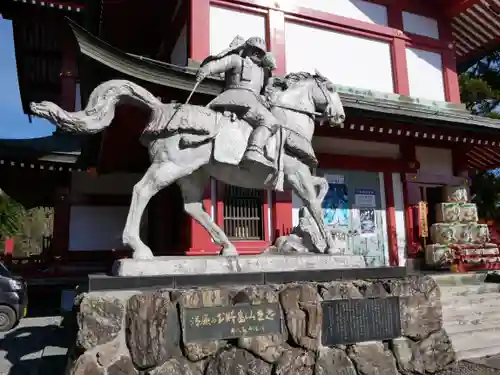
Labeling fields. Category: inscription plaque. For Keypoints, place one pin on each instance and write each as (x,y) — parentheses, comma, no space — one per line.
(348,321)
(216,323)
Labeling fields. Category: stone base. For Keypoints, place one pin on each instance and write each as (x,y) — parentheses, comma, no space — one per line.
(133,332)
(182,265)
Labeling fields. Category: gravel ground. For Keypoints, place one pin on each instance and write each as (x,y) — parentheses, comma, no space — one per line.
(469,368)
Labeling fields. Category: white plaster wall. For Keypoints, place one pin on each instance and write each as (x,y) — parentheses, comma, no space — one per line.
(383,208)
(96,227)
(78,98)
(226,23)
(356,9)
(296,206)
(340,57)
(437,161)
(107,184)
(420,25)
(340,146)
(179,54)
(399,208)
(425,74)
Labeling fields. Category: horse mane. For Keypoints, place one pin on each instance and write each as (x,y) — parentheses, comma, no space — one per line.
(284,83)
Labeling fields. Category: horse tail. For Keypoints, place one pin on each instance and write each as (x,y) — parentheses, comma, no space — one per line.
(100,108)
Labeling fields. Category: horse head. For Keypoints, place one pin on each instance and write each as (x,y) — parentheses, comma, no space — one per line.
(308,93)
(328,100)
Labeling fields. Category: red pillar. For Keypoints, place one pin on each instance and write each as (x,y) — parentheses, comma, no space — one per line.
(399,64)
(281,211)
(451,87)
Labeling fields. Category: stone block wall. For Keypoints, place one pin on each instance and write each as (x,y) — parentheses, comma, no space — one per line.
(140,333)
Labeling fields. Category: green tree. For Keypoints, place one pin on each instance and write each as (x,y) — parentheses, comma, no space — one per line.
(480,91)
(485,190)
(480,86)
(11,216)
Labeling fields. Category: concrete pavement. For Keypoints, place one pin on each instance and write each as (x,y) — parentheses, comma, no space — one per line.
(36,344)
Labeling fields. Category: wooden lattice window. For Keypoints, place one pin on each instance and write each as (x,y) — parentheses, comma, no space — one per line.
(243,213)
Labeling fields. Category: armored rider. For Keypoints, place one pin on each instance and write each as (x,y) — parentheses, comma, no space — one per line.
(247,66)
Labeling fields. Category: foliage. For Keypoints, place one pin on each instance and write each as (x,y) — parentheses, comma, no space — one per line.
(480,91)
(11,216)
(486,192)
(480,86)
(37,224)
(27,227)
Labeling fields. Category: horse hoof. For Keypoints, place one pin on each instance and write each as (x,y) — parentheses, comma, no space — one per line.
(229,252)
(331,251)
(143,254)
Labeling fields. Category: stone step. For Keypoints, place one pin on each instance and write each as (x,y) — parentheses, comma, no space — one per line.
(450,316)
(465,290)
(472,324)
(459,279)
(477,352)
(474,340)
(485,300)
(471,313)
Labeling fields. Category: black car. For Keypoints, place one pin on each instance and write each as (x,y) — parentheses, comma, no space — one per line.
(13,299)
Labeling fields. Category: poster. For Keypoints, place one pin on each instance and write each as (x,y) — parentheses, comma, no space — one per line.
(336,179)
(367,221)
(336,206)
(365,198)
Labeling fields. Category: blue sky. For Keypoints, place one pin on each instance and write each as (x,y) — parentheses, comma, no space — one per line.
(13,122)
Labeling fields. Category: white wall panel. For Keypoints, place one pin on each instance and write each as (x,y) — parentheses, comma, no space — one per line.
(329,145)
(399,208)
(96,227)
(345,59)
(78,98)
(420,25)
(356,9)
(179,54)
(433,160)
(425,74)
(226,23)
(113,183)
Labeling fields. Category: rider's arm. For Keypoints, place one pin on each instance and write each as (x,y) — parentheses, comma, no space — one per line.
(222,65)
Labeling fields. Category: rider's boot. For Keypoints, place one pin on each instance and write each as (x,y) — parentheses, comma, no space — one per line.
(255,150)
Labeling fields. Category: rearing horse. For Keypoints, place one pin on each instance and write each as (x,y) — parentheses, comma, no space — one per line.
(192,166)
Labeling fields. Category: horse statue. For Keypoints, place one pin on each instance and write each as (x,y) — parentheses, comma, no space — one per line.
(189,144)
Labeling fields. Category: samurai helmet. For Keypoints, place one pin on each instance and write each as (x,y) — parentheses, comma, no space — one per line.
(257,42)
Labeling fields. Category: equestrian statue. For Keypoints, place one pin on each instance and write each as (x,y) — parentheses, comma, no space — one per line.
(256,134)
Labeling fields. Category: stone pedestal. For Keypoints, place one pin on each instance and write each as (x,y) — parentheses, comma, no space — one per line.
(183,265)
(144,333)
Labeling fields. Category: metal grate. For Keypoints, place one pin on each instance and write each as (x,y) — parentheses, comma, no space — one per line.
(243,213)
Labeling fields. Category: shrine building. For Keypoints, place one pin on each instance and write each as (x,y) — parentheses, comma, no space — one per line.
(393,62)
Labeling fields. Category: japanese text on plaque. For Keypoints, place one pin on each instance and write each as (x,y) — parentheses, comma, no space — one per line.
(231,321)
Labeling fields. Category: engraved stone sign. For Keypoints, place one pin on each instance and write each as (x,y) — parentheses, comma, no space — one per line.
(215,323)
(348,321)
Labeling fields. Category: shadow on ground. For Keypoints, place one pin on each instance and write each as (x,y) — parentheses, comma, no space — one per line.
(27,350)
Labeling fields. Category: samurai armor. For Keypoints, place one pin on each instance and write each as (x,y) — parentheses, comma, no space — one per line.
(456,194)
(444,233)
(468,213)
(447,212)
(438,255)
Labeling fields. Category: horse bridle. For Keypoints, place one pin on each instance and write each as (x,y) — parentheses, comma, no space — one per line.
(313,115)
